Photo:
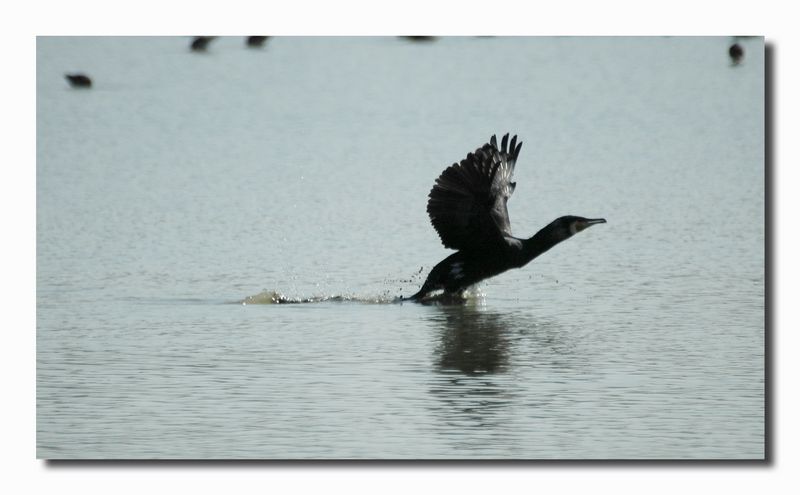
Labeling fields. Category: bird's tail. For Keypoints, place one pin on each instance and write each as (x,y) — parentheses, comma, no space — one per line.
(421,293)
(415,297)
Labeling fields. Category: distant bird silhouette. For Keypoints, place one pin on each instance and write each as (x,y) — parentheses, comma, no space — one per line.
(736,53)
(467,207)
(79,80)
(419,38)
(200,43)
(256,41)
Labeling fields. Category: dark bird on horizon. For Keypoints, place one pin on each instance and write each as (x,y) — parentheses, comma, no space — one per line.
(79,80)
(467,207)
(419,38)
(736,53)
(200,43)
(256,41)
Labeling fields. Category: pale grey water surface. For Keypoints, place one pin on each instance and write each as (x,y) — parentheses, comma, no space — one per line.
(183,183)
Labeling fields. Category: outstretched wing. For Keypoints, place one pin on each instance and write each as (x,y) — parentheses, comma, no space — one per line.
(467,205)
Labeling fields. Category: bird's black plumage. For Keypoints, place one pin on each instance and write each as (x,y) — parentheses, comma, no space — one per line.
(419,38)
(736,52)
(200,43)
(468,208)
(79,80)
(256,41)
(467,205)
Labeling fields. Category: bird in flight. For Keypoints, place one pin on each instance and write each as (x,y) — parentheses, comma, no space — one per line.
(467,207)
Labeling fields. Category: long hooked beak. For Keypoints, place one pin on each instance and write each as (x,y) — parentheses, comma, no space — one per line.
(592,221)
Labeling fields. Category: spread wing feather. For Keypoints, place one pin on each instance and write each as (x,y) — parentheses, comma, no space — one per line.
(467,204)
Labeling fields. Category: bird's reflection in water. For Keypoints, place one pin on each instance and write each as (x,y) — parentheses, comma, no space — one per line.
(471,354)
(472,341)
(480,402)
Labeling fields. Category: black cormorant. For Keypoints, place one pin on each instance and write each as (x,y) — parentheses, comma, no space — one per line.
(736,52)
(467,207)
(419,38)
(200,43)
(79,80)
(256,41)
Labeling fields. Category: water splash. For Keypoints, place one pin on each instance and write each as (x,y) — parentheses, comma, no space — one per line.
(276,297)
(472,296)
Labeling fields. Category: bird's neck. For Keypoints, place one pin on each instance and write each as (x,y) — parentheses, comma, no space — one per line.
(539,243)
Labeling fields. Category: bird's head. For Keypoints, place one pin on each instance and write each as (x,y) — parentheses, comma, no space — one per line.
(567,226)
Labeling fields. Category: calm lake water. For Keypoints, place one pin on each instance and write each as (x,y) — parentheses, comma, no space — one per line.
(184,184)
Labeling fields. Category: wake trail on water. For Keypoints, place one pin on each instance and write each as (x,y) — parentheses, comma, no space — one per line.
(387,296)
(276,297)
